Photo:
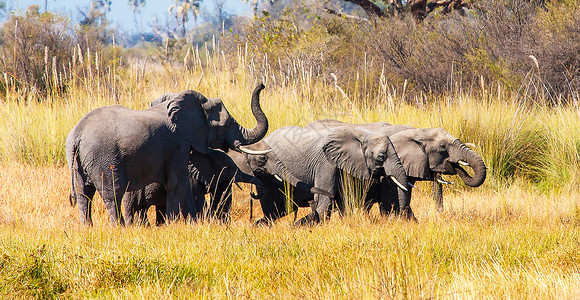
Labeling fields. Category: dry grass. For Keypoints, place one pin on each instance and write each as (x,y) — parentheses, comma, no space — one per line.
(514,237)
(505,243)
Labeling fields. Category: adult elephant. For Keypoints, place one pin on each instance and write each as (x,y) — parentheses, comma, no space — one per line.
(212,173)
(426,153)
(317,157)
(116,149)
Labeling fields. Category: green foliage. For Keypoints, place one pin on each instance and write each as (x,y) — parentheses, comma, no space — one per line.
(31,276)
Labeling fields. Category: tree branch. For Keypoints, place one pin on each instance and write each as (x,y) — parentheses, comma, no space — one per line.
(337,13)
(370,8)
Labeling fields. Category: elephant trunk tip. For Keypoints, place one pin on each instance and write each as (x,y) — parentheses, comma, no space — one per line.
(250,136)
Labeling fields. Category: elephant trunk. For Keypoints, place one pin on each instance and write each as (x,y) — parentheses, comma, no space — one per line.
(247,178)
(469,158)
(250,136)
(394,168)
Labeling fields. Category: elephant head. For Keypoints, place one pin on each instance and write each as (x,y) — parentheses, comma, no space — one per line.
(363,154)
(268,163)
(206,123)
(434,150)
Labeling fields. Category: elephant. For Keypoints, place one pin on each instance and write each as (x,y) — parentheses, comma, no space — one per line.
(317,157)
(115,149)
(211,173)
(270,170)
(426,153)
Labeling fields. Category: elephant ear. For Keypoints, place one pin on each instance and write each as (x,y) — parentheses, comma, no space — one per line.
(344,148)
(188,119)
(162,98)
(412,154)
(216,112)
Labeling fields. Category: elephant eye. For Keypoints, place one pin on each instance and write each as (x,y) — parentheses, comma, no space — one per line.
(381,158)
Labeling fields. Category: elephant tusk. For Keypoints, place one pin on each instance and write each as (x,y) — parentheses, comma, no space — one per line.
(398,183)
(463,163)
(412,185)
(255,152)
(470,145)
(444,181)
(237,185)
(278,178)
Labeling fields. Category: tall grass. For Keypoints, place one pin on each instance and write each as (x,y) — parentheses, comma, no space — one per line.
(514,237)
(511,243)
(516,138)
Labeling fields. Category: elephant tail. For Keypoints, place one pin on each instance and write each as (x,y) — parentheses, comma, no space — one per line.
(75,163)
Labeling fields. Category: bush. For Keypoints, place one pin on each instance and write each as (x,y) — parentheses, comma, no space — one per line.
(36,48)
(488,45)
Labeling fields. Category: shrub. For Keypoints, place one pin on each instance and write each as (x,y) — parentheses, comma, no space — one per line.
(36,48)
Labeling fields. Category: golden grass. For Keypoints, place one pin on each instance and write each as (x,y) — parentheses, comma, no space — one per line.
(514,237)
(510,242)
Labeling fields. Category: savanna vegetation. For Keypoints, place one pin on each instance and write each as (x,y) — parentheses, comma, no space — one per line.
(501,74)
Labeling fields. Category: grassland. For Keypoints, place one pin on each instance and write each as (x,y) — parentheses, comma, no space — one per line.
(515,237)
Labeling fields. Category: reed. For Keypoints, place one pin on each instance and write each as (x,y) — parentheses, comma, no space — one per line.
(514,237)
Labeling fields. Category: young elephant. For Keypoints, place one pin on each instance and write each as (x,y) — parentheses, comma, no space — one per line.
(115,149)
(270,170)
(425,153)
(317,157)
(212,173)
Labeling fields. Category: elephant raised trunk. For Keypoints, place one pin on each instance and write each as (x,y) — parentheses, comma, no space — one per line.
(469,158)
(250,136)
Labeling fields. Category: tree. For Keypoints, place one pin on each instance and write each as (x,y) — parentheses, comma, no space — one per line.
(136,6)
(181,11)
(418,8)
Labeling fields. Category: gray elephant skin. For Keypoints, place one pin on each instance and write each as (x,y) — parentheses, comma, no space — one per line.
(270,170)
(212,173)
(317,158)
(425,153)
(115,149)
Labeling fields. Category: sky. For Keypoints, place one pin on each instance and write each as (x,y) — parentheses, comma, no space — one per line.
(121,16)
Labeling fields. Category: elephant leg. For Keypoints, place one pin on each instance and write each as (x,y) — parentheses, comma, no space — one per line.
(160,217)
(112,198)
(272,201)
(83,192)
(373,196)
(179,192)
(85,202)
(323,202)
(388,193)
(222,201)
(133,204)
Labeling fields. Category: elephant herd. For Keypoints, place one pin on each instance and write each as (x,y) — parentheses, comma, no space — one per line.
(185,146)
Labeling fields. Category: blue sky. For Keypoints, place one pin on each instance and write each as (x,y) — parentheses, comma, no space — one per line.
(121,16)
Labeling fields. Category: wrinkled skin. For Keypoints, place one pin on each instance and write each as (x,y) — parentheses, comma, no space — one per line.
(267,167)
(115,149)
(316,157)
(425,153)
(212,173)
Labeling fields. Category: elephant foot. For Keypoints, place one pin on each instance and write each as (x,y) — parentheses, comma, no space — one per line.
(309,220)
(408,214)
